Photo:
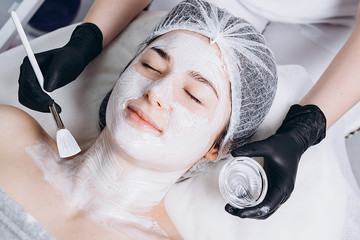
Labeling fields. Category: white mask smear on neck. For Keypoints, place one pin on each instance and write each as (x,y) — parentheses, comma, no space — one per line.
(111,194)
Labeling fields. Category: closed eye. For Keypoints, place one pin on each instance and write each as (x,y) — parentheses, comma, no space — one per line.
(198,77)
(150,67)
(192,96)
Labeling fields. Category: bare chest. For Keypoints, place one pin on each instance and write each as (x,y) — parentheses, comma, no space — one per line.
(23,181)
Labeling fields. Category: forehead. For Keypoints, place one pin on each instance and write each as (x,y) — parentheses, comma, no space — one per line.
(187,40)
(192,51)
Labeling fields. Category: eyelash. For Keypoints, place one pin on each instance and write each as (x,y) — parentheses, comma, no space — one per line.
(150,67)
(192,96)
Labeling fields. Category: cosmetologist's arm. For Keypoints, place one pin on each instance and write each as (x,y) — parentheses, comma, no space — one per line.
(112,16)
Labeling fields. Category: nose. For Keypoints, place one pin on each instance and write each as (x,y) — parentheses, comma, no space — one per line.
(159,93)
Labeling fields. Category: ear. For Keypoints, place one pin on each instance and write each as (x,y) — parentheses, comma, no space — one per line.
(212,154)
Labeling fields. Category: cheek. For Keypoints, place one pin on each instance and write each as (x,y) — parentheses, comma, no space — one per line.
(196,128)
(190,133)
(130,85)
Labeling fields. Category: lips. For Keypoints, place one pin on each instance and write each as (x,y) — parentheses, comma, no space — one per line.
(141,118)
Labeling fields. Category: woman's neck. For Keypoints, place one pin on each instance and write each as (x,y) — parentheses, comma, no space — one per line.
(109,173)
(104,184)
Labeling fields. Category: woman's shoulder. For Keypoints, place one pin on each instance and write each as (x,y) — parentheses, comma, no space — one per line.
(18,127)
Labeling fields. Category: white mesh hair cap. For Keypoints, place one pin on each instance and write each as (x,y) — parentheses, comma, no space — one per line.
(249,62)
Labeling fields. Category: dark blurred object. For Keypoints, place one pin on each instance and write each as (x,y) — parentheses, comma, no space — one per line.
(54,14)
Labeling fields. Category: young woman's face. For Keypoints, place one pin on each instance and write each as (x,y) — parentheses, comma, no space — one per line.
(171,103)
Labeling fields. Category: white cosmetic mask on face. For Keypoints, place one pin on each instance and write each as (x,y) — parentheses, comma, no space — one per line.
(187,135)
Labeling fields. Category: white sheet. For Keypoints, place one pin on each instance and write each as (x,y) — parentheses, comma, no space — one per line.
(325,203)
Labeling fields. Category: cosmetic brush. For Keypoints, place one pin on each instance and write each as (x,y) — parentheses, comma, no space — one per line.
(67,145)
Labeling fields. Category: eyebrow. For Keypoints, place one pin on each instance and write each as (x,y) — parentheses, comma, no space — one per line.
(161,53)
(198,77)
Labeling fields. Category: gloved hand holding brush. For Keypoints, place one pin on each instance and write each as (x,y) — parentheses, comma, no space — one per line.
(59,66)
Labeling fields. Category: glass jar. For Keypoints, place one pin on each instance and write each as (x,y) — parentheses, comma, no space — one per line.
(243,182)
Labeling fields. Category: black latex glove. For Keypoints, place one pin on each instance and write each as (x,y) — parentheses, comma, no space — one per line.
(302,127)
(59,66)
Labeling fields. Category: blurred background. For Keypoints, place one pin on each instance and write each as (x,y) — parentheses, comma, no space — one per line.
(42,16)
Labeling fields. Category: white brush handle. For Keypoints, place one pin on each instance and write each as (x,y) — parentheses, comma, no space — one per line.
(28,49)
